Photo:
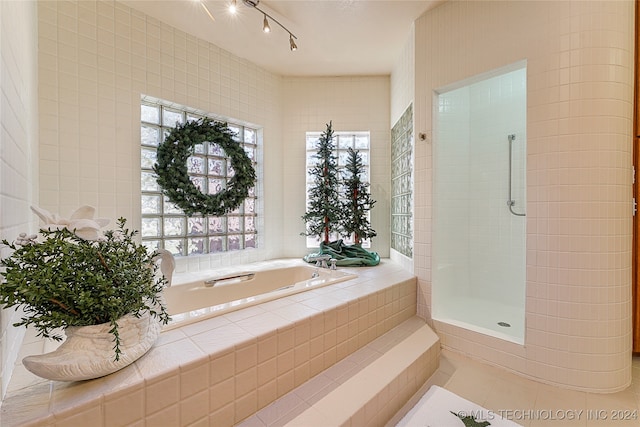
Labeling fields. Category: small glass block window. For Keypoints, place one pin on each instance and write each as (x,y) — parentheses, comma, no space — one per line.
(342,141)
(164,225)
(401,184)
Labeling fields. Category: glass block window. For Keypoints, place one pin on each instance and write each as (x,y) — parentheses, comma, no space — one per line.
(341,141)
(164,225)
(401,184)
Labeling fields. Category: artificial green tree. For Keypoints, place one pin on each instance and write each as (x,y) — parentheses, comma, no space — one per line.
(357,201)
(324,216)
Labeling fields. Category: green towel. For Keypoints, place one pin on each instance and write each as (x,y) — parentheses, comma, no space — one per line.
(346,255)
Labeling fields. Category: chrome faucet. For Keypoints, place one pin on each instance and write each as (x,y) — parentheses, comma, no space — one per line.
(321,260)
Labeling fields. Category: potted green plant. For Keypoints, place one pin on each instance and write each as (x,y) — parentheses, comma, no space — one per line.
(101,289)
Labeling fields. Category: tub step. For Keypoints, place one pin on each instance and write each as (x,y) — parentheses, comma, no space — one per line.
(366,388)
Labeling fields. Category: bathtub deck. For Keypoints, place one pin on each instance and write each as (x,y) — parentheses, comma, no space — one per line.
(222,370)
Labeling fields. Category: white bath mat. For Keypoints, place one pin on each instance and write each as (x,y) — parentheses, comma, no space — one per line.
(441,408)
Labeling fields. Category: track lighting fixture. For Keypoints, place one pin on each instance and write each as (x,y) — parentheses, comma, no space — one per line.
(265,25)
(292,44)
(206,9)
(265,22)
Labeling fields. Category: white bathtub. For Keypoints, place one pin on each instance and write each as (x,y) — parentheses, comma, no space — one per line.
(194,301)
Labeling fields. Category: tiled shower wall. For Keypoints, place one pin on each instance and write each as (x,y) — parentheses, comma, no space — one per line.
(480,243)
(18,147)
(579,108)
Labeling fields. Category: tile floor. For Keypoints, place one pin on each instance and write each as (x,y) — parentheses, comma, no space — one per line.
(530,403)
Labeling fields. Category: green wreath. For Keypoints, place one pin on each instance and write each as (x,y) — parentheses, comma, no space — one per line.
(173,177)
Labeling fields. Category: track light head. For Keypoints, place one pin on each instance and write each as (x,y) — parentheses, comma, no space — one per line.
(265,25)
(265,22)
(206,9)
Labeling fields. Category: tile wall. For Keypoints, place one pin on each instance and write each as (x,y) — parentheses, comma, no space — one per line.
(402,95)
(18,147)
(96,60)
(579,108)
(352,104)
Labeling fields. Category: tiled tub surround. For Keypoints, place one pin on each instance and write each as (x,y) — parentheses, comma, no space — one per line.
(222,370)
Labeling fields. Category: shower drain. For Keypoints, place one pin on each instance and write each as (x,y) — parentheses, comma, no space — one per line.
(504,324)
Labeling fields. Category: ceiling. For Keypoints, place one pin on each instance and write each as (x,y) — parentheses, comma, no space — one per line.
(334,37)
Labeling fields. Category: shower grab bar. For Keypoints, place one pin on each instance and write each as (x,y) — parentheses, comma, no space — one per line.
(212,282)
(511,203)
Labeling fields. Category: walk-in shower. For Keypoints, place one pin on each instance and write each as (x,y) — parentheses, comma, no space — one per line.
(479,166)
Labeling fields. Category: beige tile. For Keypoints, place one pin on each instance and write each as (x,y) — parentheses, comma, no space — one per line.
(201,326)
(194,378)
(302,333)
(285,382)
(125,408)
(267,371)
(300,374)
(252,421)
(311,417)
(279,409)
(340,372)
(285,362)
(316,388)
(510,393)
(286,339)
(162,393)
(245,313)
(194,407)
(168,417)
(471,384)
(322,303)
(552,398)
(267,393)
(221,339)
(267,346)
(295,312)
(169,357)
(222,394)
(246,355)
(223,417)
(91,415)
(246,406)
(612,402)
(258,326)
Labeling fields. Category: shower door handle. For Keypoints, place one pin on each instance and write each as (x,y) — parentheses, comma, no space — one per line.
(511,203)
